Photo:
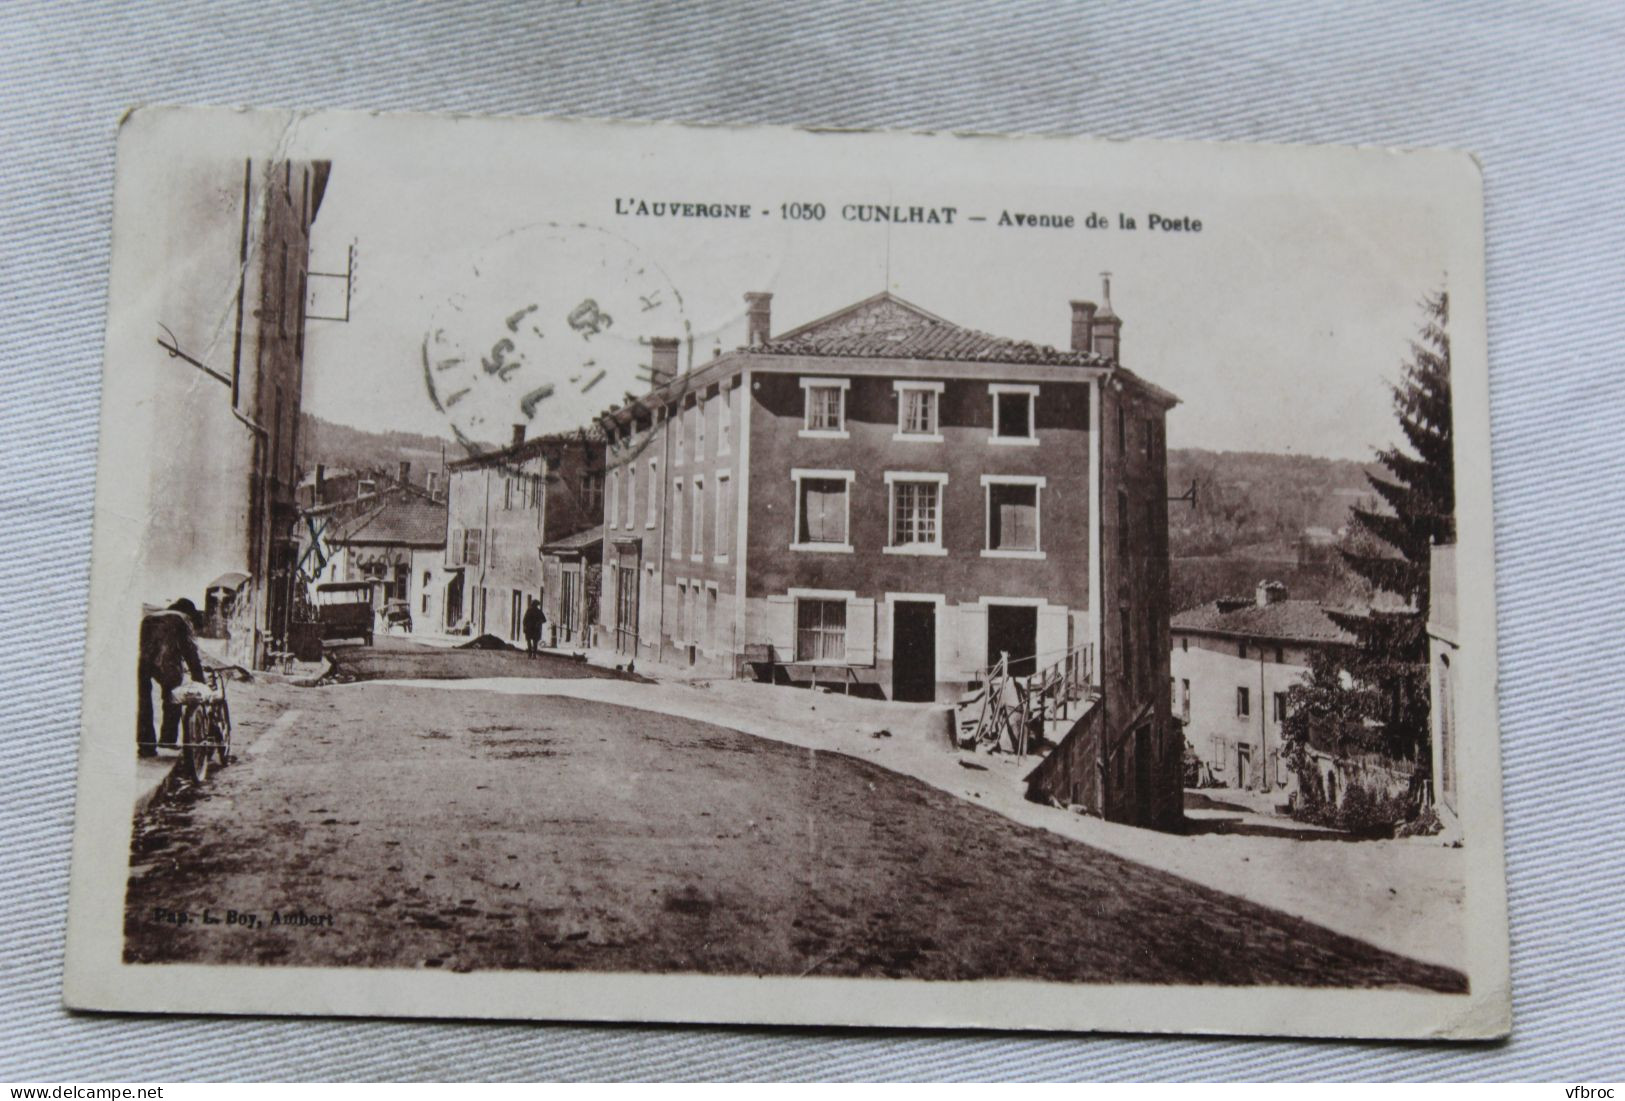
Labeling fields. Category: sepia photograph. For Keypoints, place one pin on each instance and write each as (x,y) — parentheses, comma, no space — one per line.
(597,570)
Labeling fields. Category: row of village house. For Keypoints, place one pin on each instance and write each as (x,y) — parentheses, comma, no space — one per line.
(888,501)
(880,495)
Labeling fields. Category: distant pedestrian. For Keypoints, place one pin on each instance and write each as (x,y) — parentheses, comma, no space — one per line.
(168,652)
(534,618)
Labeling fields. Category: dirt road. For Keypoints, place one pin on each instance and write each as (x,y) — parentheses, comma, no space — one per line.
(421,827)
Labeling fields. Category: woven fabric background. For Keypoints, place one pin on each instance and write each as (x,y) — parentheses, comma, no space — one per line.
(1538,92)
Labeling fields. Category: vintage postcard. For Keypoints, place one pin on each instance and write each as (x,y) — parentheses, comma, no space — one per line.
(610,571)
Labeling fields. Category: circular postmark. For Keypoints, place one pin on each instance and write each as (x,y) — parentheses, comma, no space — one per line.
(549,325)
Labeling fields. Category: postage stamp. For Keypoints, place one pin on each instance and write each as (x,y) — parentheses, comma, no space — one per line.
(589,570)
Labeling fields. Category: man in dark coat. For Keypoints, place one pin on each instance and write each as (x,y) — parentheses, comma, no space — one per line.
(168,653)
(534,618)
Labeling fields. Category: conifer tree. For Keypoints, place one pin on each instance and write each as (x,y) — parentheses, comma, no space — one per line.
(1391,652)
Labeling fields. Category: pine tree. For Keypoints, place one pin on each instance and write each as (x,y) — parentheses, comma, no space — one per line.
(1391,655)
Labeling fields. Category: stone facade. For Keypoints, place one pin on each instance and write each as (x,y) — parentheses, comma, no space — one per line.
(888,501)
(501,508)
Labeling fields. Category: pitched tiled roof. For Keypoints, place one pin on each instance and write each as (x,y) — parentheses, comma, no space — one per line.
(587,434)
(1282,621)
(405,519)
(577,541)
(886,327)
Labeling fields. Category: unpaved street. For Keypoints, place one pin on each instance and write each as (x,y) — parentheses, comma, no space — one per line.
(471,829)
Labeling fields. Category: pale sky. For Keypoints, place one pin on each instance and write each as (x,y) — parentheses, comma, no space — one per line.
(1277,325)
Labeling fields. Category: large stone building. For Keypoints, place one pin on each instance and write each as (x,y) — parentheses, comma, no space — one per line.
(1233,663)
(888,500)
(230,322)
(502,506)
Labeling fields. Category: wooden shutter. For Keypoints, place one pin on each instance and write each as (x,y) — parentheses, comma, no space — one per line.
(973,638)
(860,632)
(1051,633)
(781,626)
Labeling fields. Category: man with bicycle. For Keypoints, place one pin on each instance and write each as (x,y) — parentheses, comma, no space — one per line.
(168,652)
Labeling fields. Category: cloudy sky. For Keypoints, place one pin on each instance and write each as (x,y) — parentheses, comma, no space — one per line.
(1278,324)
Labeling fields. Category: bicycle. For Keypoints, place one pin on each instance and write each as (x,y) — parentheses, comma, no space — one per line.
(205,725)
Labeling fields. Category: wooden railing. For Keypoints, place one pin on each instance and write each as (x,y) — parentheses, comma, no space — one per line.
(1006,711)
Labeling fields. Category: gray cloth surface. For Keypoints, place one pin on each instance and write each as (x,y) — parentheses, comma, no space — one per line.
(1536,92)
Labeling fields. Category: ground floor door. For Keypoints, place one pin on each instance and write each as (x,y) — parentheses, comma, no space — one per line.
(454,601)
(1013,629)
(1244,766)
(914,650)
(516,615)
(569,586)
(1142,773)
(626,609)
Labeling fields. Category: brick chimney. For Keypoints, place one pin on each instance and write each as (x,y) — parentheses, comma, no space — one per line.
(319,490)
(662,360)
(1083,319)
(1270,592)
(1106,329)
(518,435)
(758,318)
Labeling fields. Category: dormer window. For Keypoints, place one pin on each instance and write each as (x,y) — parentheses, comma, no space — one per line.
(825,410)
(1013,414)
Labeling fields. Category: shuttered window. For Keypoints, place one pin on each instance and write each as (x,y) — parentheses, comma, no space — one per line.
(823,511)
(1012,517)
(820,630)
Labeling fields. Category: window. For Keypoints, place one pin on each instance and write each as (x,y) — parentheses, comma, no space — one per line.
(823,505)
(1013,414)
(678,426)
(696,524)
(1185,699)
(1280,707)
(699,430)
(1241,649)
(710,614)
(631,495)
(820,630)
(1280,655)
(507,491)
(592,493)
(724,519)
(916,512)
(1125,627)
(677,517)
(825,407)
(1185,645)
(1013,516)
(1122,524)
(1244,706)
(823,511)
(654,493)
(614,496)
(725,420)
(917,411)
(471,547)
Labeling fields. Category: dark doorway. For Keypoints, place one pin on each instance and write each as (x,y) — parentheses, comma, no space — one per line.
(454,601)
(914,650)
(1142,774)
(1013,629)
